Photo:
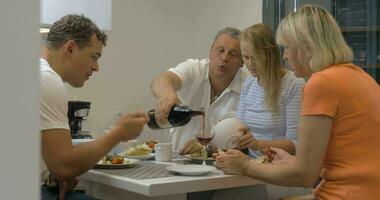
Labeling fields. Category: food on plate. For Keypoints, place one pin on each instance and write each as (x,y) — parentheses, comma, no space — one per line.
(265,156)
(139,150)
(151,143)
(113,159)
(196,155)
(117,160)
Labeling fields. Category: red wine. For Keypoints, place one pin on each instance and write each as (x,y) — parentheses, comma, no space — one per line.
(178,116)
(204,139)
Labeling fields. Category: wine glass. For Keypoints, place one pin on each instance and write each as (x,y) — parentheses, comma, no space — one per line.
(206,135)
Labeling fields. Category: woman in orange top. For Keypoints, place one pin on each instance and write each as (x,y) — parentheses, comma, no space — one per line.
(339,136)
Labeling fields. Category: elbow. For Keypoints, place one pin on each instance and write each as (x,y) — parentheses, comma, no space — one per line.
(308,180)
(62,173)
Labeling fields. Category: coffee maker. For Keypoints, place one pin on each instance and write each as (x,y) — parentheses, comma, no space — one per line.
(77,114)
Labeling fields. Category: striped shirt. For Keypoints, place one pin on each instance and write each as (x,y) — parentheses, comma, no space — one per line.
(252,110)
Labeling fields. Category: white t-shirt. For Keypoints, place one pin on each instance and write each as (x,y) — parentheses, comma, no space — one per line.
(53,104)
(195,93)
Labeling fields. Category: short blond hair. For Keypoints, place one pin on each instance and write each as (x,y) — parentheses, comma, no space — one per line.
(315,32)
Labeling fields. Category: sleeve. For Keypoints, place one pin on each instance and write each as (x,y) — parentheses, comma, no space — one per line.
(191,73)
(292,111)
(187,71)
(320,97)
(53,103)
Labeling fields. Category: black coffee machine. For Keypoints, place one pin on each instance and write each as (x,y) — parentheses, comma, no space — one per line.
(77,114)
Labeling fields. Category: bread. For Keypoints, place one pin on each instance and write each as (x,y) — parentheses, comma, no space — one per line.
(139,150)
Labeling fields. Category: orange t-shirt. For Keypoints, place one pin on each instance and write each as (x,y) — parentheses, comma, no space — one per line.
(351,169)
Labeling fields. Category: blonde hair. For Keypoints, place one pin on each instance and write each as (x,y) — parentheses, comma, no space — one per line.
(266,56)
(316,34)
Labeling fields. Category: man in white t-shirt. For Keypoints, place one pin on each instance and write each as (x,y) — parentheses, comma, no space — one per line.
(73,47)
(212,83)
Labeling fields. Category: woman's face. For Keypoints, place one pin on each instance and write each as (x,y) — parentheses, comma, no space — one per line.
(294,57)
(247,53)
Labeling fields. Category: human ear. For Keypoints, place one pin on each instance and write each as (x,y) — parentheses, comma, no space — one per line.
(70,46)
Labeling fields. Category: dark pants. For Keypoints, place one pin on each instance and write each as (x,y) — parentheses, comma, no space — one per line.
(52,194)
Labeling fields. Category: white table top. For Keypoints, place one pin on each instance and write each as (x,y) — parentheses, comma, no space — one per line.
(169,185)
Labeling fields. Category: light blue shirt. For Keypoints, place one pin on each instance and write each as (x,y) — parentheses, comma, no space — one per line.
(252,110)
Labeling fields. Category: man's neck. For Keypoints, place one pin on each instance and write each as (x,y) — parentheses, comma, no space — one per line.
(52,57)
(218,85)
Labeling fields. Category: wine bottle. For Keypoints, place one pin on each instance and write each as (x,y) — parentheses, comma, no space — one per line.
(178,116)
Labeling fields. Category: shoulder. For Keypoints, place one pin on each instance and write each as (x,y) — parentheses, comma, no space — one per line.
(190,66)
(249,82)
(291,82)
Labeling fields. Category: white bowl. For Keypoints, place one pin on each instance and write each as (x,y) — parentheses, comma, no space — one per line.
(226,133)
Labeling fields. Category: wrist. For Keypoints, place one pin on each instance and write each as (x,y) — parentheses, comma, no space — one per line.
(115,135)
(246,164)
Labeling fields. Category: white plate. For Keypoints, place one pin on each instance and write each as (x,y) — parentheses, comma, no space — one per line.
(199,160)
(191,170)
(128,162)
(145,157)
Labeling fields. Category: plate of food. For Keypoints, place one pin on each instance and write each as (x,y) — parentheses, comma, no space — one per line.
(141,152)
(115,162)
(198,158)
(191,170)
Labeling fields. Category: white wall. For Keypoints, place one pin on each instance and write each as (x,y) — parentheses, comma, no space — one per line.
(148,37)
(19,107)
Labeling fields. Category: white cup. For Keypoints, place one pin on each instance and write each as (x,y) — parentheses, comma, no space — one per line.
(226,133)
(163,152)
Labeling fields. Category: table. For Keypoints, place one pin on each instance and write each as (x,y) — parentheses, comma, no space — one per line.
(118,184)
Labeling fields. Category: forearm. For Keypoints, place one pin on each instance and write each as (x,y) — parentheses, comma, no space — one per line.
(88,154)
(285,144)
(80,158)
(287,174)
(164,85)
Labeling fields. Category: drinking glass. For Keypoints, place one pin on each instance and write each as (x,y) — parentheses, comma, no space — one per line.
(206,135)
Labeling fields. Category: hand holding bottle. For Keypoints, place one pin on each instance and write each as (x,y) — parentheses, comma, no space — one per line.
(178,116)
(164,105)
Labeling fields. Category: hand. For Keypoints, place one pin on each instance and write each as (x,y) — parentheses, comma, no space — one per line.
(247,140)
(232,162)
(130,125)
(192,146)
(163,107)
(281,156)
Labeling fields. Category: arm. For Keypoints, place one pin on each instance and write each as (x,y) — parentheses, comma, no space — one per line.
(66,161)
(164,87)
(247,140)
(304,170)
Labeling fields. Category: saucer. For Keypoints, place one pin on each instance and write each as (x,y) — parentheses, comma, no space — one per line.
(191,170)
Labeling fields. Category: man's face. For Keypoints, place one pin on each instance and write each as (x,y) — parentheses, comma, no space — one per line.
(83,62)
(225,57)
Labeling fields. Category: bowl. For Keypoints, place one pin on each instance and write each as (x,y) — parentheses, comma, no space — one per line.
(226,133)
